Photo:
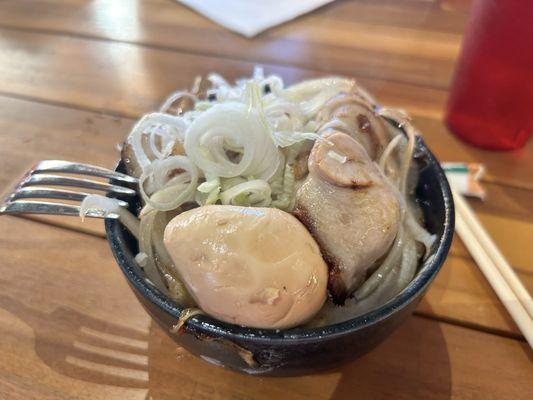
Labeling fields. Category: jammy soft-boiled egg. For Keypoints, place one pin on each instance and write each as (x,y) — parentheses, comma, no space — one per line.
(256,267)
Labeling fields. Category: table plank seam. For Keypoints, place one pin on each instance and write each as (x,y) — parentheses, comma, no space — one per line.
(72,106)
(469,258)
(58,224)
(471,326)
(507,184)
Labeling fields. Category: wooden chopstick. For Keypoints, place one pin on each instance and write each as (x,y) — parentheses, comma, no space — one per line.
(478,248)
(465,211)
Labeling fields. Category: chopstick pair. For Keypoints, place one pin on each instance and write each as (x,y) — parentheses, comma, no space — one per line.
(494,266)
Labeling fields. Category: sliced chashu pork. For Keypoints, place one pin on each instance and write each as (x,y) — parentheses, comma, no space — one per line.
(351,114)
(349,208)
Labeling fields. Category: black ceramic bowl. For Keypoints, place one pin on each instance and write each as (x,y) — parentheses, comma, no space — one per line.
(298,351)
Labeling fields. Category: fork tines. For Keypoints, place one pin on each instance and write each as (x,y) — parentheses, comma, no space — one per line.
(35,185)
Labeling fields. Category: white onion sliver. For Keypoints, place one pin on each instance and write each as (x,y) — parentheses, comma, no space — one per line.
(228,183)
(217,80)
(285,139)
(377,277)
(259,73)
(283,116)
(107,206)
(172,99)
(314,86)
(145,246)
(173,193)
(409,262)
(234,125)
(257,193)
(174,128)
(388,151)
(419,233)
(335,124)
(98,203)
(209,185)
(141,259)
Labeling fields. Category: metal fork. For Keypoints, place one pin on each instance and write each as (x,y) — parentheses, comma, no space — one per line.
(35,185)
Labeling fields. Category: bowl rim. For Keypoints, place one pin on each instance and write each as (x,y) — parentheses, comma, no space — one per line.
(205,324)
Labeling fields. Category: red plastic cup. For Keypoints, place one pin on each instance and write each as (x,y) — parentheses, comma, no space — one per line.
(491,100)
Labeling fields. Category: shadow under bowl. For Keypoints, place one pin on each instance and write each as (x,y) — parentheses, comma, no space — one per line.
(298,351)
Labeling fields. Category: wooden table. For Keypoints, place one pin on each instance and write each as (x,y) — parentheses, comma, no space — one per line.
(75,74)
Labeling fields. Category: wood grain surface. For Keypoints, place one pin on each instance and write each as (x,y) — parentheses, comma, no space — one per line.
(406,41)
(75,75)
